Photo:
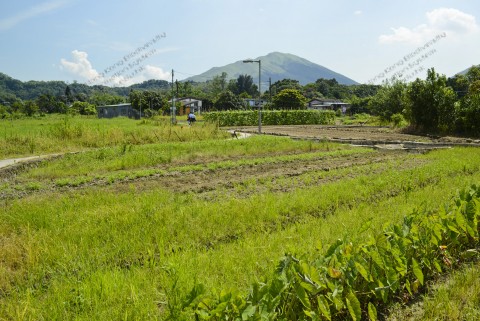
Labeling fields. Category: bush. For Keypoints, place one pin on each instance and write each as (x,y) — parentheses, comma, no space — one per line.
(398,120)
(271,117)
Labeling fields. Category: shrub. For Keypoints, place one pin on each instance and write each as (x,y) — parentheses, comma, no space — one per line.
(271,117)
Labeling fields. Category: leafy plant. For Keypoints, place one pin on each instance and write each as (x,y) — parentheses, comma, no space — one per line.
(351,280)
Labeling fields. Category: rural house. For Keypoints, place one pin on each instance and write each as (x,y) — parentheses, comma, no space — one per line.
(188,105)
(327,104)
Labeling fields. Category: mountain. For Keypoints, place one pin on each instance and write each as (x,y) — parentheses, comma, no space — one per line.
(278,66)
(466,70)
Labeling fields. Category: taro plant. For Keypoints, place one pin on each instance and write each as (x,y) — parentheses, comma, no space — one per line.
(352,280)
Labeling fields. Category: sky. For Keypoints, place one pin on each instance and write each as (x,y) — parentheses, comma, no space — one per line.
(119,43)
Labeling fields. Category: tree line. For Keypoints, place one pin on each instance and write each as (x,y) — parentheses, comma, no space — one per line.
(219,93)
(436,104)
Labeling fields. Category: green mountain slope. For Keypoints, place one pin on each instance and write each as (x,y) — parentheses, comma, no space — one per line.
(278,66)
(466,70)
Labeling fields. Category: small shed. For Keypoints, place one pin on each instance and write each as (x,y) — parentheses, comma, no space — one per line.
(327,104)
(119,110)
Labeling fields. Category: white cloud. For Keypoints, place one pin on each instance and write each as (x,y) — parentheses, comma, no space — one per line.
(115,75)
(80,66)
(358,12)
(453,20)
(442,20)
(152,72)
(10,22)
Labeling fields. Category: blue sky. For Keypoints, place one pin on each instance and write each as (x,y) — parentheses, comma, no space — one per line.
(122,42)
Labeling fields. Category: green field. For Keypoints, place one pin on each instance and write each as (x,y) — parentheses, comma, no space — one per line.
(126,228)
(64,133)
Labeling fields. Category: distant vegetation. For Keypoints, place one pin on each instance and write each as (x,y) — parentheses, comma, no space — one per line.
(436,105)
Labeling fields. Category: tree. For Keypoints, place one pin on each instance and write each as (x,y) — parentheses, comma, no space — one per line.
(391,99)
(17,106)
(83,108)
(99,98)
(473,74)
(243,84)
(459,84)
(68,94)
(143,100)
(310,91)
(432,103)
(218,84)
(30,108)
(3,111)
(228,101)
(289,99)
(286,84)
(47,103)
(468,111)
(360,105)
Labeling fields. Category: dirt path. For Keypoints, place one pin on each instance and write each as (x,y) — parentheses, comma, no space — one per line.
(7,162)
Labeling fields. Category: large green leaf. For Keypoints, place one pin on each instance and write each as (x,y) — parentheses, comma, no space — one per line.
(363,272)
(248,313)
(417,271)
(302,295)
(372,312)
(324,307)
(460,219)
(353,306)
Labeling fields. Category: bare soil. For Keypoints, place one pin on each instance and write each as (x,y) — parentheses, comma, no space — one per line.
(364,135)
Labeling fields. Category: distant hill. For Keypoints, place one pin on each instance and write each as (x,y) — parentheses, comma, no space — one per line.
(11,88)
(278,66)
(465,71)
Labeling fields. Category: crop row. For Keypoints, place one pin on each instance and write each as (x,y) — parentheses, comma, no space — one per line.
(353,279)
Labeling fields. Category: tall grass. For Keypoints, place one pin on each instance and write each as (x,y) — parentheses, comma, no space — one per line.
(56,134)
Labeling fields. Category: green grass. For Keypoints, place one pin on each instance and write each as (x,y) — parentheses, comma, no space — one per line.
(104,253)
(360,119)
(455,297)
(63,133)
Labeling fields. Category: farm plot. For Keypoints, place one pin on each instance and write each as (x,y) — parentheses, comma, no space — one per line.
(358,134)
(125,232)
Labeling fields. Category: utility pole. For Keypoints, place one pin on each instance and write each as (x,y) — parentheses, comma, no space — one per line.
(173,103)
(270,88)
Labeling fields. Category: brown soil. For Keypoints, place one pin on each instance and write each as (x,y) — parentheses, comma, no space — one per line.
(357,134)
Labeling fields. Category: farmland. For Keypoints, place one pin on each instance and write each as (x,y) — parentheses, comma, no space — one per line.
(127,224)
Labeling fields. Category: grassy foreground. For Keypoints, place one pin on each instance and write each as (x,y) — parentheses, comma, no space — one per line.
(132,248)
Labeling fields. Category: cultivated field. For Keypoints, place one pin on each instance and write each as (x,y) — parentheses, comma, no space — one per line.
(125,228)
(363,135)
